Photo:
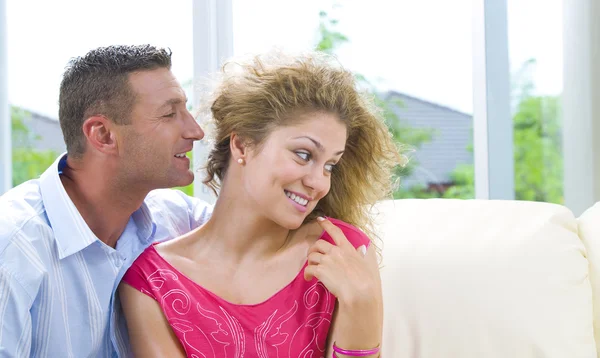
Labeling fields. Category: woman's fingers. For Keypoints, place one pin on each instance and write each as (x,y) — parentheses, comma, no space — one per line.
(335,232)
(311,271)
(321,246)
(315,258)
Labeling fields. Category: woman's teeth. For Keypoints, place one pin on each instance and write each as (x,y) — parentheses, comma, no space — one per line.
(296,198)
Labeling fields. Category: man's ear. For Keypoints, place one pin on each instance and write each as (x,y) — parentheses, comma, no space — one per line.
(238,147)
(100,134)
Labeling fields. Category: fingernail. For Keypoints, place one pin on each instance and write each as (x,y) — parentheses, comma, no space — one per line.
(320,218)
(363,249)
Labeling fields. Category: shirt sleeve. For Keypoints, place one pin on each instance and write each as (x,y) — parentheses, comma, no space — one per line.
(176,212)
(199,211)
(15,318)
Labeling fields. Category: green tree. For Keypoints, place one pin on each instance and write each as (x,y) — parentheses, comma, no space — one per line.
(537,146)
(538,161)
(27,162)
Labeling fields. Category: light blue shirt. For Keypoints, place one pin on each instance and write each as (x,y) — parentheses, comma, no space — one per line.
(57,279)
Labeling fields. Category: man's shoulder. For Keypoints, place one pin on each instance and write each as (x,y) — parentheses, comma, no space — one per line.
(175,200)
(176,213)
(167,195)
(20,207)
(23,226)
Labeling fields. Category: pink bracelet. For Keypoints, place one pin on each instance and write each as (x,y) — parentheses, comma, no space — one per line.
(354,353)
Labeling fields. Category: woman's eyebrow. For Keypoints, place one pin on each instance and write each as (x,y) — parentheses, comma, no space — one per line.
(317,144)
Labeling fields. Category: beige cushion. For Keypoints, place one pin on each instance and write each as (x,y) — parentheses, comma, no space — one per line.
(473,279)
(589,232)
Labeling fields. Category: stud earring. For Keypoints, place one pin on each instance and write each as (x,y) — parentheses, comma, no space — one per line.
(240,161)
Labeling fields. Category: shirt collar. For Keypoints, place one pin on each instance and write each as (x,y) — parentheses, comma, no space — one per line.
(70,229)
(146,227)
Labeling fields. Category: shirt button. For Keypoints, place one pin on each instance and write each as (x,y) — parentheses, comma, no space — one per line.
(119,261)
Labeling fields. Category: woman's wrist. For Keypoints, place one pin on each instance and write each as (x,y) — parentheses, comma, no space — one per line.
(359,324)
(357,302)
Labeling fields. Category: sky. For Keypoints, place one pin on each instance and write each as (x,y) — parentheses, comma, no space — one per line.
(422,48)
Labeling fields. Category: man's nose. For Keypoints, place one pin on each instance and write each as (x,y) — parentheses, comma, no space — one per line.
(192,128)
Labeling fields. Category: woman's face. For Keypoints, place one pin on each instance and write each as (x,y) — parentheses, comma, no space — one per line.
(292,171)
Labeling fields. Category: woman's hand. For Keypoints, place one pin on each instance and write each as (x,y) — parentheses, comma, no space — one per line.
(350,274)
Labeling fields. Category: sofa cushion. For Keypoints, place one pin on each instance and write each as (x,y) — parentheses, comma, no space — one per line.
(472,279)
(589,232)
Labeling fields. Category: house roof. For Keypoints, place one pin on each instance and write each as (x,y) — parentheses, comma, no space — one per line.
(425,102)
(451,138)
(45,131)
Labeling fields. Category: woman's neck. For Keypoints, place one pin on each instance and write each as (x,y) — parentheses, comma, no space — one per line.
(237,230)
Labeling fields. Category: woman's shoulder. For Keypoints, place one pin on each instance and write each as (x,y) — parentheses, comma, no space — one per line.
(177,247)
(147,260)
(355,235)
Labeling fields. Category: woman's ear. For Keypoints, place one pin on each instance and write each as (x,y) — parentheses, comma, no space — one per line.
(238,147)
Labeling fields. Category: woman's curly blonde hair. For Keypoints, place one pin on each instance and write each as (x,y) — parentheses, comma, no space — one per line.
(256,96)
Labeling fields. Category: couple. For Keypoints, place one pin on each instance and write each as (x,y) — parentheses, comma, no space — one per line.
(96,260)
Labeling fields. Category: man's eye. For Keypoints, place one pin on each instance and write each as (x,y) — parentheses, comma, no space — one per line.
(170,115)
(305,156)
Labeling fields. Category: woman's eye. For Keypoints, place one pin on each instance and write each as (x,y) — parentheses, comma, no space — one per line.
(305,156)
(329,167)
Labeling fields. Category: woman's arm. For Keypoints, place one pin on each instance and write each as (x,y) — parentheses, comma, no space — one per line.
(150,334)
(358,322)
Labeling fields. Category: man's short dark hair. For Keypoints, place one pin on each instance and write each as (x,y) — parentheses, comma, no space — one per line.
(97,84)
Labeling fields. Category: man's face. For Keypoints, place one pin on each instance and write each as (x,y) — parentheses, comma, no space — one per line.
(153,146)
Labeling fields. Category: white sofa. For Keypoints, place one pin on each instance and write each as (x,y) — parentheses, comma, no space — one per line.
(493,279)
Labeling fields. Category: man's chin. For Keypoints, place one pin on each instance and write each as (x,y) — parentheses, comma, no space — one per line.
(181,182)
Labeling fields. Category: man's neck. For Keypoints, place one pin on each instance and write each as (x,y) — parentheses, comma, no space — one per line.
(105,204)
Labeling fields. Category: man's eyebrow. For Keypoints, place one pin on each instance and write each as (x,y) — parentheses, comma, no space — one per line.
(317,144)
(173,102)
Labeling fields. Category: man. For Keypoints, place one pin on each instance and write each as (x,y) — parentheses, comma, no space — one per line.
(67,238)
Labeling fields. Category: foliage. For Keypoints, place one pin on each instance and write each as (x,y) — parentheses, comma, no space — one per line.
(538,161)
(27,162)
(538,155)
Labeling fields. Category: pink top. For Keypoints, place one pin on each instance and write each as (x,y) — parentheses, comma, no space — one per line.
(294,322)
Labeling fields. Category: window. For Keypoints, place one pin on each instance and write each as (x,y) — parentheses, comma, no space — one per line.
(536,64)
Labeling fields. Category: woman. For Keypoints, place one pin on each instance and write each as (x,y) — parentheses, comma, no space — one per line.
(267,275)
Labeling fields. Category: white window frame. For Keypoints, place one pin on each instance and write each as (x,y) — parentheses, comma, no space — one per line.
(581,104)
(492,121)
(213,43)
(5,120)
